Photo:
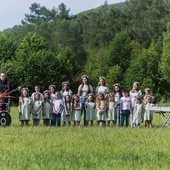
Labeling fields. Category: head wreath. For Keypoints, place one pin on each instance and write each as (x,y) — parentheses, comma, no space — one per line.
(25,89)
(84,76)
(116,84)
(52,86)
(101,77)
(65,82)
(46,91)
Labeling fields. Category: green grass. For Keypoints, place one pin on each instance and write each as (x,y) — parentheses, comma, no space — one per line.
(83,148)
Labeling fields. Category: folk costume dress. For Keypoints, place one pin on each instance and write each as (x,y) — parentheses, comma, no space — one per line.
(101,116)
(111,111)
(37,108)
(25,104)
(90,111)
(67,112)
(137,115)
(76,112)
(148,115)
(46,109)
(63,94)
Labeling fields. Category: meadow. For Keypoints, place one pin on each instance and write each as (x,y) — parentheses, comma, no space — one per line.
(84,147)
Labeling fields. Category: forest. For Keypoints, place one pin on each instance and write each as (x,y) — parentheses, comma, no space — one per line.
(123,42)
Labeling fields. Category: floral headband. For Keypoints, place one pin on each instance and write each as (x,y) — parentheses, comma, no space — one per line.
(84,76)
(25,89)
(116,84)
(101,77)
(46,91)
(65,82)
(52,86)
(136,83)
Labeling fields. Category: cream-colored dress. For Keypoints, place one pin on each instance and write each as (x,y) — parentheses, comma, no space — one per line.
(101,116)
(25,104)
(46,109)
(76,113)
(90,111)
(67,117)
(148,115)
(111,111)
(37,108)
(137,116)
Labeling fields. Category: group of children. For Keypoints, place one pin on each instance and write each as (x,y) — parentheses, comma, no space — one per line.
(54,107)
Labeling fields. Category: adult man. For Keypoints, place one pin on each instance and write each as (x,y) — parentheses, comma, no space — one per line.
(4,85)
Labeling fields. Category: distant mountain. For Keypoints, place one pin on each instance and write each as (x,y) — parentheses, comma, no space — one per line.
(119,5)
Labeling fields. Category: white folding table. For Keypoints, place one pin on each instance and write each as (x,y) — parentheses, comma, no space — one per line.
(162,111)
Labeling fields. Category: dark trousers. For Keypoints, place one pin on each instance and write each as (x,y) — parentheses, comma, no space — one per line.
(56,119)
(125,117)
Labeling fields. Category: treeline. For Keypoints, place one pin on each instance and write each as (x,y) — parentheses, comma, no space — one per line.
(126,44)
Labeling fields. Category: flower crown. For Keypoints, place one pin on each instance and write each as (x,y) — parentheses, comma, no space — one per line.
(25,89)
(116,84)
(52,86)
(101,77)
(65,82)
(46,91)
(84,76)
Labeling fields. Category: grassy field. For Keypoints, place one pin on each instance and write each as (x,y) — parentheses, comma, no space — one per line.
(83,148)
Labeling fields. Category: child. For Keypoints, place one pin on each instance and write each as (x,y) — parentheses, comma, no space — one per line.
(76,110)
(133,93)
(117,94)
(111,109)
(52,89)
(138,112)
(57,109)
(101,109)
(67,110)
(37,89)
(148,92)
(24,107)
(47,107)
(90,109)
(148,115)
(65,91)
(36,108)
(125,108)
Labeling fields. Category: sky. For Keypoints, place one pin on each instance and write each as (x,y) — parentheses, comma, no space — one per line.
(13,11)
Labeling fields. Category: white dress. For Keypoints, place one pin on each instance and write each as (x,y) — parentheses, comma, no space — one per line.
(148,114)
(111,111)
(137,116)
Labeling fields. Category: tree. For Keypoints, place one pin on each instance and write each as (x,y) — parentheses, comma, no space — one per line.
(165,59)
(146,19)
(119,52)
